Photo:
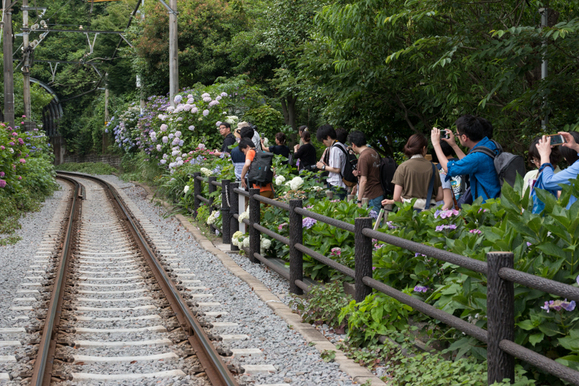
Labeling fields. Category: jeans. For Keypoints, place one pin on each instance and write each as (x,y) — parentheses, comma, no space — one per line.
(375,204)
(338,191)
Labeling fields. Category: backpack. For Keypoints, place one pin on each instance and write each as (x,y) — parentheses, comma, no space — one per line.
(507,165)
(387,169)
(260,171)
(348,177)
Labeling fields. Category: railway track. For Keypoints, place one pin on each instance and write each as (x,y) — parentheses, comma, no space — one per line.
(113,312)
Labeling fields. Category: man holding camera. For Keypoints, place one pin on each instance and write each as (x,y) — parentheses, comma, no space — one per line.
(336,160)
(367,171)
(479,166)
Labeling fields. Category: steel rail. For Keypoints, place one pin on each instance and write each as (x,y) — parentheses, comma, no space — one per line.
(42,370)
(207,355)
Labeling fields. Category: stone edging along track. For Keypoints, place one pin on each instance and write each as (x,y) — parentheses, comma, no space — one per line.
(311,335)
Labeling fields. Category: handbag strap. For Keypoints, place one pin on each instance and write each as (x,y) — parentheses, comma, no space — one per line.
(430,188)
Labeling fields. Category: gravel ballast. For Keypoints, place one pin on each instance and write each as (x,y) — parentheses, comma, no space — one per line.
(295,362)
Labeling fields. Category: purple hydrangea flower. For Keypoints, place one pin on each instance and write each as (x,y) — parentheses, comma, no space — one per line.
(308,222)
(475,231)
(373,214)
(420,288)
(440,228)
(2,183)
(205,113)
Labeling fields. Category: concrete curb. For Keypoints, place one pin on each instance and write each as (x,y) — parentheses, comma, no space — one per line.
(311,335)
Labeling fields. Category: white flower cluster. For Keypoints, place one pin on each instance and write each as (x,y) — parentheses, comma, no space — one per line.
(264,244)
(237,239)
(317,188)
(186,189)
(213,217)
(295,183)
(206,171)
(243,216)
(279,180)
(232,119)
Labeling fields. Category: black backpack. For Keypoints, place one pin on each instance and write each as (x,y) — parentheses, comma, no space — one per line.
(387,169)
(260,171)
(507,165)
(348,177)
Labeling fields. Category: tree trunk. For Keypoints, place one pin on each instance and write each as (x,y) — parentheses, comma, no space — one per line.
(284,111)
(291,107)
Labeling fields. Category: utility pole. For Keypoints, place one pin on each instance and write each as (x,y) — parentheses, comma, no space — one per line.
(105,142)
(173,54)
(544,69)
(8,68)
(26,66)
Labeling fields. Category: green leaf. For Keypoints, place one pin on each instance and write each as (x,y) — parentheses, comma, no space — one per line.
(536,338)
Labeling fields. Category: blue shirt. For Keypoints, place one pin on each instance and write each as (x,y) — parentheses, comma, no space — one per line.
(481,169)
(552,181)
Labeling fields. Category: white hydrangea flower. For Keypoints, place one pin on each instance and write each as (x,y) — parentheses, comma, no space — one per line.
(206,171)
(296,182)
(186,189)
(243,216)
(246,242)
(279,180)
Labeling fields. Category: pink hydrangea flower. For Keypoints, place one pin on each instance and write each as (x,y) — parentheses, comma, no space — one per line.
(22,160)
(2,183)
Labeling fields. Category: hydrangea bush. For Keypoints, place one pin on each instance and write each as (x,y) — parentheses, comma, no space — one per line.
(26,175)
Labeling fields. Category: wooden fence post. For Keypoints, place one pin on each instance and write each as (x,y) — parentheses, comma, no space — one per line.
(233,209)
(500,318)
(196,192)
(254,218)
(212,188)
(363,257)
(295,237)
(226,211)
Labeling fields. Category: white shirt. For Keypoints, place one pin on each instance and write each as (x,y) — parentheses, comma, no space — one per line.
(337,160)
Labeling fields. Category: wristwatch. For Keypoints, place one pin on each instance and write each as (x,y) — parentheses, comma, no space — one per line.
(359,201)
(324,167)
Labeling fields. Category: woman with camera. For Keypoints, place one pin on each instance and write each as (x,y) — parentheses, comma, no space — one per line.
(417,177)
(306,153)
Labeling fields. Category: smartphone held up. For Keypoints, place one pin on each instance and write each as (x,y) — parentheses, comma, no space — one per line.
(557,139)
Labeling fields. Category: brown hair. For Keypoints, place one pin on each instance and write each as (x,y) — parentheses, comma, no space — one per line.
(306,136)
(280,137)
(416,143)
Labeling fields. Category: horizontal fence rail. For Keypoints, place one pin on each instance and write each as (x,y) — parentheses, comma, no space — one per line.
(499,270)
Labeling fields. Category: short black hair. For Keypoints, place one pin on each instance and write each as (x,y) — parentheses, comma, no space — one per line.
(487,127)
(470,126)
(357,138)
(245,142)
(341,135)
(246,132)
(226,124)
(446,148)
(325,131)
(554,157)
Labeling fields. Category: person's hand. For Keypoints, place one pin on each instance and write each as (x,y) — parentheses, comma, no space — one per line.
(544,148)
(387,202)
(450,140)
(296,147)
(569,141)
(356,173)
(435,136)
(320,165)
(243,184)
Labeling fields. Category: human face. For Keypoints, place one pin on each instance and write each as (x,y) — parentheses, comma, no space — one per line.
(328,141)
(223,130)
(461,138)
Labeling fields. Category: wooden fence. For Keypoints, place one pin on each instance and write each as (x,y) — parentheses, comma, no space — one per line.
(499,270)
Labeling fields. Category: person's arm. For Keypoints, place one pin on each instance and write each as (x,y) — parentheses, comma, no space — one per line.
(244,172)
(396,197)
(328,168)
(435,139)
(361,189)
(446,196)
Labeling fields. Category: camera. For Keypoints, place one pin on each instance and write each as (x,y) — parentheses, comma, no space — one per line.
(444,134)
(311,168)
